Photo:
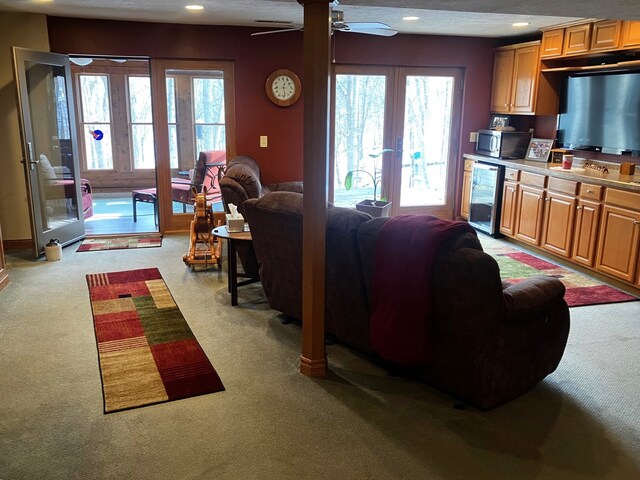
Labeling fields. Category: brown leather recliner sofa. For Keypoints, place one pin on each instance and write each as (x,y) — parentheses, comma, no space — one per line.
(491,341)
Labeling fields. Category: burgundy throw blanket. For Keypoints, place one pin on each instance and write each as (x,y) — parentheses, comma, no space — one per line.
(402,279)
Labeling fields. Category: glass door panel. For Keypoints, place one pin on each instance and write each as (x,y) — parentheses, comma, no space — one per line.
(45,96)
(360,123)
(424,168)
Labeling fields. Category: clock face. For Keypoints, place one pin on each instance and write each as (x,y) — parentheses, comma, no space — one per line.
(283,87)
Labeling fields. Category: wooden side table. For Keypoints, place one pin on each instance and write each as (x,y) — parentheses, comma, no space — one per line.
(235,239)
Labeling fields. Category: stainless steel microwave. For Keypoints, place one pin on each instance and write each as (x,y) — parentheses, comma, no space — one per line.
(502,143)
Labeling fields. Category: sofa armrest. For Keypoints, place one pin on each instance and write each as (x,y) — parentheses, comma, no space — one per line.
(283,187)
(532,297)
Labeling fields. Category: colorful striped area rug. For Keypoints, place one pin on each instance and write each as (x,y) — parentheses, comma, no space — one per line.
(146,350)
(91,244)
(516,265)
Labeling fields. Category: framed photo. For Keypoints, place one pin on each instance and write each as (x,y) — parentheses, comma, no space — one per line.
(539,149)
(499,122)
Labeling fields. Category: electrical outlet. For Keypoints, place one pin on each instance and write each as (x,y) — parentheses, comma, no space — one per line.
(264,141)
(473,137)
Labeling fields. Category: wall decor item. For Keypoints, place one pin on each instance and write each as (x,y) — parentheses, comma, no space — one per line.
(499,122)
(539,149)
(283,87)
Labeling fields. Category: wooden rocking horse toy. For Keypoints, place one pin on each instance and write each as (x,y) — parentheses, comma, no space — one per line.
(205,248)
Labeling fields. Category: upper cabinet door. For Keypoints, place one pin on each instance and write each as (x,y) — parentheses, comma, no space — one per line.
(577,39)
(552,41)
(502,80)
(630,33)
(524,79)
(606,35)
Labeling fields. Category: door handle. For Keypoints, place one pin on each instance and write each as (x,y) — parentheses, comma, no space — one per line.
(32,161)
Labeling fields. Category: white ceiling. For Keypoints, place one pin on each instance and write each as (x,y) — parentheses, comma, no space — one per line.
(438,17)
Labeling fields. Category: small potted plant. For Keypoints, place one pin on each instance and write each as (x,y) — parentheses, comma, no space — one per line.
(374,207)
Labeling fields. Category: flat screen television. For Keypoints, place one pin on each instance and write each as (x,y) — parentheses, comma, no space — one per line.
(601,113)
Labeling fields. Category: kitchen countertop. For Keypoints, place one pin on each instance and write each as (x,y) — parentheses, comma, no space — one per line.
(577,172)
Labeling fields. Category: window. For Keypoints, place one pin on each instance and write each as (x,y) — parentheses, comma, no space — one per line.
(172,120)
(96,121)
(208,112)
(141,123)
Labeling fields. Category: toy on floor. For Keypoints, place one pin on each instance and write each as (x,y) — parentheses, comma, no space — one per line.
(205,248)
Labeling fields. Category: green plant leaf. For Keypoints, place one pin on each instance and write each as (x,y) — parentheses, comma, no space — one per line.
(348,181)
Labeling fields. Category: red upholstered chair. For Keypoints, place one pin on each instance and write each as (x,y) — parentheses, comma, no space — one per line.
(203,174)
(207,171)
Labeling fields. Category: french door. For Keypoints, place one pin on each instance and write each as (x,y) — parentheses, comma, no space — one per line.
(50,146)
(397,130)
(193,111)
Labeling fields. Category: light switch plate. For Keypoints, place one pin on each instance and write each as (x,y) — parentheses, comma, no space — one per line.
(473,137)
(264,141)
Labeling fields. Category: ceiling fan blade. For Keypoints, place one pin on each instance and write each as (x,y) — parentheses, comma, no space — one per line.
(268,32)
(361,25)
(358,28)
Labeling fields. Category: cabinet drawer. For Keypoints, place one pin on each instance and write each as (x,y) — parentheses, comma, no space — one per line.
(534,179)
(468,165)
(622,199)
(592,192)
(512,174)
(563,186)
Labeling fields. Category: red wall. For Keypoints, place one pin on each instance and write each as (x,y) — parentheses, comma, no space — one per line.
(256,57)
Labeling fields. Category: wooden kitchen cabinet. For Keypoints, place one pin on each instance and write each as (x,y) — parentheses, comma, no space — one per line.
(630,34)
(559,213)
(466,188)
(530,207)
(577,39)
(619,239)
(557,230)
(552,41)
(4,277)
(585,232)
(515,75)
(606,35)
(509,208)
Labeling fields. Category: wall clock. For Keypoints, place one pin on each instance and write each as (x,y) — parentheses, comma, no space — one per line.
(283,87)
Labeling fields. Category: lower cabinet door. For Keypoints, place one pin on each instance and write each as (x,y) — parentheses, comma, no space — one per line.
(530,211)
(618,243)
(557,232)
(586,233)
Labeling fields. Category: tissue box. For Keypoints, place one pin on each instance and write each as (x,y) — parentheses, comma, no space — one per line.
(235,224)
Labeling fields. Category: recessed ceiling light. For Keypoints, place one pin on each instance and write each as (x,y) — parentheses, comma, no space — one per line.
(520,24)
(194,7)
(409,19)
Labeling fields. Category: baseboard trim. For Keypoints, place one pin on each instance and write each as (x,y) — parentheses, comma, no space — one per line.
(20,244)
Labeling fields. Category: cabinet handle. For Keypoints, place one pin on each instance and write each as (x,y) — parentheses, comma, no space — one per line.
(636,222)
(589,191)
(579,208)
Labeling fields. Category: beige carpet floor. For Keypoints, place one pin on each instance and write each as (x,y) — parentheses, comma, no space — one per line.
(274,423)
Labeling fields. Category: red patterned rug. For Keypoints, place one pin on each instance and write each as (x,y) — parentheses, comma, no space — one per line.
(91,244)
(516,265)
(146,350)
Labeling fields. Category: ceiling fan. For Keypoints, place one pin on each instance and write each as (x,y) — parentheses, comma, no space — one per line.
(339,25)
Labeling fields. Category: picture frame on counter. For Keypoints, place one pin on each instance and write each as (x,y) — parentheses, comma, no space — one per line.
(499,122)
(539,149)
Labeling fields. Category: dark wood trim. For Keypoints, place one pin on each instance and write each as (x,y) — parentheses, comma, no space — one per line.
(20,244)
(317,59)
